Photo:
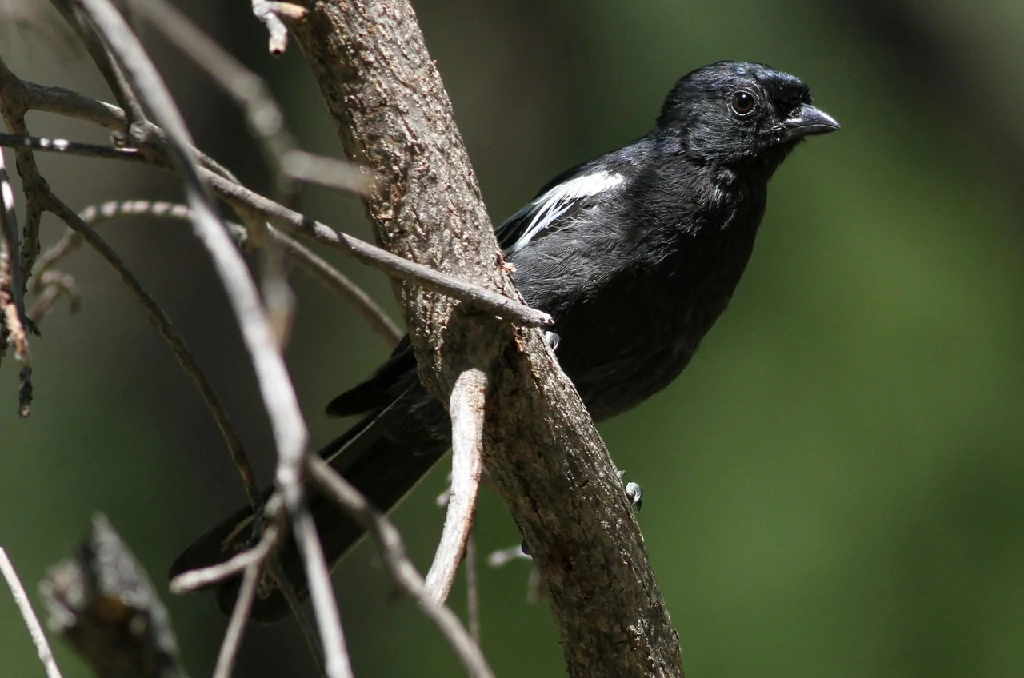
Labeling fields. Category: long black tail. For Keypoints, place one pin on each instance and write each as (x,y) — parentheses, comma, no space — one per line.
(384,455)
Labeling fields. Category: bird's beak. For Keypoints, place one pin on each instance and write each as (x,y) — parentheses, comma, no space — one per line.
(807,120)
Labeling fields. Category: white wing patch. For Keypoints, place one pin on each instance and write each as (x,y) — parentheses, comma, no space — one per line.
(553,204)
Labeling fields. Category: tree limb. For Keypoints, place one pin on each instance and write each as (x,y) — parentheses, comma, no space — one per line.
(543,453)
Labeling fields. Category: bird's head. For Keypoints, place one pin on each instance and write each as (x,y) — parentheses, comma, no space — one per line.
(739,114)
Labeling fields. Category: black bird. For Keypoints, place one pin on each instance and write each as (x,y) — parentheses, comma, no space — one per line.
(635,254)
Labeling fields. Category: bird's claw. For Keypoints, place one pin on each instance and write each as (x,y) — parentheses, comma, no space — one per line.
(634,493)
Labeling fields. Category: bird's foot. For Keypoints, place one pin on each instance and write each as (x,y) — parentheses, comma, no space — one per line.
(634,493)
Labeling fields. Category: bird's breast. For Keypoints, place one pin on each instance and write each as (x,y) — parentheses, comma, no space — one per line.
(632,335)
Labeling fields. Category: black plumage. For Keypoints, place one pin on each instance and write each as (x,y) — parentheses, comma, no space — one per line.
(634,254)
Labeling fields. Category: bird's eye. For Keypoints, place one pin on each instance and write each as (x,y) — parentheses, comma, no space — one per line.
(743,102)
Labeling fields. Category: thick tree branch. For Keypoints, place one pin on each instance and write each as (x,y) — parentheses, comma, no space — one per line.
(543,453)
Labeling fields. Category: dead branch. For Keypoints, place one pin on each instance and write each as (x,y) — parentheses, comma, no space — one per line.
(466,407)
(35,629)
(102,602)
(404,573)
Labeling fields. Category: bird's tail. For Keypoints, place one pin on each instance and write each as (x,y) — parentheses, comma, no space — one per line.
(384,455)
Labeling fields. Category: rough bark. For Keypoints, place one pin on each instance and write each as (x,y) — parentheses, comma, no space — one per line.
(542,451)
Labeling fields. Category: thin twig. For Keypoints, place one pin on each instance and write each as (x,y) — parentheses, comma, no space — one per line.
(242,198)
(93,215)
(35,629)
(269,541)
(236,625)
(392,551)
(66,102)
(466,407)
(299,615)
(54,285)
(507,555)
(12,300)
(194,580)
(71,147)
(341,285)
(270,14)
(321,592)
(70,103)
(306,259)
(262,113)
(245,199)
(272,376)
(101,57)
(32,183)
(259,558)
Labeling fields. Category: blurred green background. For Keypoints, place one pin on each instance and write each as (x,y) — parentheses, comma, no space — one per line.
(835,487)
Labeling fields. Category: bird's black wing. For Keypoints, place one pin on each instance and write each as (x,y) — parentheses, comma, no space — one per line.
(561,201)
(565,198)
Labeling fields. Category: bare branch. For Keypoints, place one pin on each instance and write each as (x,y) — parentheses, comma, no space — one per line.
(466,407)
(340,285)
(71,147)
(264,550)
(61,101)
(102,602)
(272,376)
(35,629)
(242,198)
(54,285)
(66,102)
(319,581)
(236,625)
(110,71)
(506,556)
(250,563)
(93,215)
(305,258)
(262,113)
(270,14)
(32,183)
(13,320)
(392,552)
(194,580)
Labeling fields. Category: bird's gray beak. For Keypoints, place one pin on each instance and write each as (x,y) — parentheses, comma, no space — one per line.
(807,120)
